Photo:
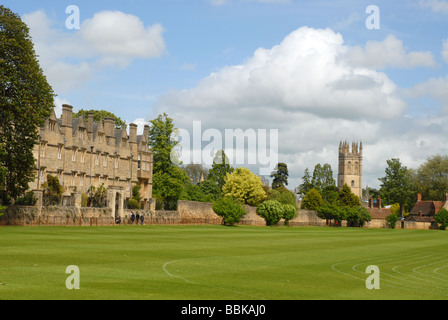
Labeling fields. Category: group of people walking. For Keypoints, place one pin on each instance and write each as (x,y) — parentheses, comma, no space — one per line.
(139,219)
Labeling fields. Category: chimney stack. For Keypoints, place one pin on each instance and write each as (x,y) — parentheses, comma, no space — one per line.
(133,133)
(370,203)
(379,203)
(419,197)
(67,115)
(90,123)
(109,127)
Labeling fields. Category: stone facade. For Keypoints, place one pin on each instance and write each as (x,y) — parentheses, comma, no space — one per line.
(350,167)
(82,154)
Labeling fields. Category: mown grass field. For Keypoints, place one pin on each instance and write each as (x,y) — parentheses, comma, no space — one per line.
(222,263)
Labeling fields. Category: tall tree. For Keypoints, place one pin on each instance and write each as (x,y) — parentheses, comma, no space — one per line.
(322,177)
(26,100)
(306,182)
(396,185)
(161,142)
(280,176)
(220,168)
(431,178)
(196,172)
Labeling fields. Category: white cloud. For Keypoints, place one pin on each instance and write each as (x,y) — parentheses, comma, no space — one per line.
(311,90)
(445,50)
(110,39)
(435,5)
(307,73)
(389,53)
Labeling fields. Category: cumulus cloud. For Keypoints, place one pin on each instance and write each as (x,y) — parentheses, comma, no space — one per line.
(110,39)
(389,53)
(315,93)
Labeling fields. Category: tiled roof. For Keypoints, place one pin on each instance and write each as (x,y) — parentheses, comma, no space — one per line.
(379,213)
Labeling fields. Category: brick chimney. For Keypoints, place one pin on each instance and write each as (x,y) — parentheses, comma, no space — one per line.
(419,197)
(370,203)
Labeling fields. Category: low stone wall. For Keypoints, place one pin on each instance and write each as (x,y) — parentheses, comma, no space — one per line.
(56,216)
(188,213)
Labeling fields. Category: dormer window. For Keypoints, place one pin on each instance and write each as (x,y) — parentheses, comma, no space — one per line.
(81,134)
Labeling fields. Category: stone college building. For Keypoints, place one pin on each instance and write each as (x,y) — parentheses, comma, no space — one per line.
(82,154)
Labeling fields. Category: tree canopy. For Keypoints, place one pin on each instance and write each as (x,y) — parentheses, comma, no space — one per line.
(280,176)
(98,115)
(26,100)
(244,186)
(396,185)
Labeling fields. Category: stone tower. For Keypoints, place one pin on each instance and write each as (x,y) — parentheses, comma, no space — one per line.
(350,167)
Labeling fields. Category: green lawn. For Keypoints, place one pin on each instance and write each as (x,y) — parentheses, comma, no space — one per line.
(217,262)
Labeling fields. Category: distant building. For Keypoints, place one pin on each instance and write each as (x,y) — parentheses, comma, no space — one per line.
(350,167)
(82,154)
(425,211)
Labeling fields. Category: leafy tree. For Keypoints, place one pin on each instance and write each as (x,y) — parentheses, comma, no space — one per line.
(196,172)
(442,218)
(245,186)
(289,213)
(396,186)
(347,197)
(229,209)
(26,100)
(168,186)
(161,142)
(220,169)
(271,211)
(306,183)
(330,194)
(53,191)
(97,196)
(210,190)
(431,178)
(192,192)
(283,195)
(331,211)
(322,177)
(99,115)
(313,200)
(356,215)
(280,176)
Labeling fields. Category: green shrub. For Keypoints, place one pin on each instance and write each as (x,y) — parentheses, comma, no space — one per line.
(133,204)
(27,200)
(271,211)
(289,213)
(392,220)
(229,209)
(442,218)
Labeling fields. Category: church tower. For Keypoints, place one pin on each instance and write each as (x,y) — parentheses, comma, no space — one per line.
(350,167)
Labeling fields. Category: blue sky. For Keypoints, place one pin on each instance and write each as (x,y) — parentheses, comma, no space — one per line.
(236,64)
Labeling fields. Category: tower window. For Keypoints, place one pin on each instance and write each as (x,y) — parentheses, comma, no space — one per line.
(353,183)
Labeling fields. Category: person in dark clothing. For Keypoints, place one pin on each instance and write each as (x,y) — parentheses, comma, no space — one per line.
(142,218)
(137,219)
(132,217)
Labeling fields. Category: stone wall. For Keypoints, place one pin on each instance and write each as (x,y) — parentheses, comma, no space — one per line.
(188,213)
